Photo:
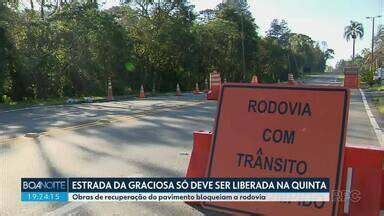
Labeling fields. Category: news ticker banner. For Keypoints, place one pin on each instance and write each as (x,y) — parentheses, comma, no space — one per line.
(174,189)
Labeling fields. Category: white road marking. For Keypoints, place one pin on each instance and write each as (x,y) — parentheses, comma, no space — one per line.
(377,129)
(348,190)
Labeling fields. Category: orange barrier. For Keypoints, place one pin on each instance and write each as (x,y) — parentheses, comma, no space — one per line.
(215,86)
(178,91)
(199,157)
(351,81)
(362,181)
(351,77)
(214,94)
(142,93)
(200,154)
(361,190)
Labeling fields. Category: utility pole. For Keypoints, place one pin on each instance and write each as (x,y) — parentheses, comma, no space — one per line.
(373,35)
(243,45)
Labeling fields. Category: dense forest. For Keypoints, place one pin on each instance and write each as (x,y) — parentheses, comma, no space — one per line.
(68,48)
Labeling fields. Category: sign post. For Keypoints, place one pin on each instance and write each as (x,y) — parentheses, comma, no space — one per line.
(279,132)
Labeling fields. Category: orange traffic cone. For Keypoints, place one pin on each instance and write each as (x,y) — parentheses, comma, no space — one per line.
(197,91)
(254,79)
(291,79)
(142,94)
(178,91)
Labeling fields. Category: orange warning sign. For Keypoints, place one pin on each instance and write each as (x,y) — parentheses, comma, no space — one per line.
(279,131)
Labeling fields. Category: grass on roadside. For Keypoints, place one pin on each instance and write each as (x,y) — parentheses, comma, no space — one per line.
(379,103)
(376,88)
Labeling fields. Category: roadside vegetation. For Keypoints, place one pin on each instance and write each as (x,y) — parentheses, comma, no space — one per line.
(376,88)
(60,49)
(366,62)
(379,103)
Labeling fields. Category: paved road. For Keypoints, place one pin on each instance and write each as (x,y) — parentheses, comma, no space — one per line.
(324,79)
(15,123)
(129,138)
(152,142)
(370,96)
(360,130)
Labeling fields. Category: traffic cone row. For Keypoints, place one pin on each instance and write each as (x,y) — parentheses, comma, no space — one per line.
(178,91)
(254,80)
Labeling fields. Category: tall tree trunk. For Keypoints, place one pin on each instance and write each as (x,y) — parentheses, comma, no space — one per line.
(32,6)
(353,54)
(42,9)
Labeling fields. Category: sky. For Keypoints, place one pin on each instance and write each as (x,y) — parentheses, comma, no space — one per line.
(322,20)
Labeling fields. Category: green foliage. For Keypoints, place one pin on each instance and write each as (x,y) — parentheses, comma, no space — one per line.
(367,76)
(353,31)
(377,88)
(6,100)
(283,52)
(279,31)
(379,103)
(72,50)
(70,54)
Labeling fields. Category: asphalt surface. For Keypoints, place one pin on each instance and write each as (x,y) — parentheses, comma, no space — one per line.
(155,139)
(15,123)
(151,137)
(360,131)
(370,96)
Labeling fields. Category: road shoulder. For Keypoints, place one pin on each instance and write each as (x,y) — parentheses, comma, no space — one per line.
(360,129)
(371,95)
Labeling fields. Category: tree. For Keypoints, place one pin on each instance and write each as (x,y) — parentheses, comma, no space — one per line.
(217,43)
(279,31)
(162,42)
(329,54)
(300,49)
(238,13)
(273,61)
(207,15)
(70,48)
(354,30)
